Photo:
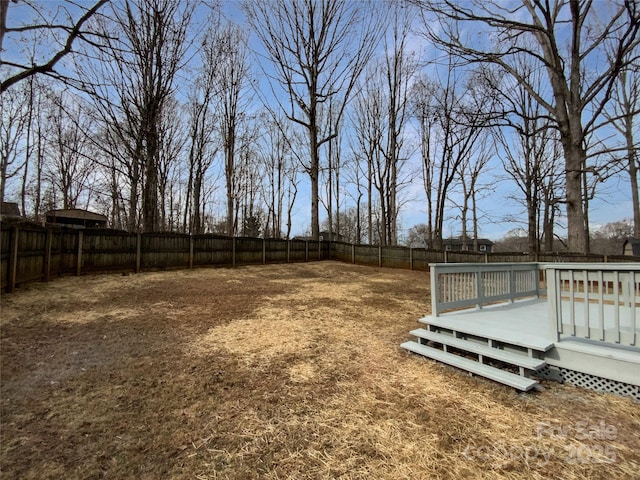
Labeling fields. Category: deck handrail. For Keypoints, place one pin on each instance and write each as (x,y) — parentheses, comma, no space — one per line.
(479,284)
(595,302)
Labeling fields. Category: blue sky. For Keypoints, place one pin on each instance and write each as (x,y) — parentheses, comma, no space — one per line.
(612,202)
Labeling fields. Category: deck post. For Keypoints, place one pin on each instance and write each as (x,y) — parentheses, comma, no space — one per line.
(435,288)
(552,303)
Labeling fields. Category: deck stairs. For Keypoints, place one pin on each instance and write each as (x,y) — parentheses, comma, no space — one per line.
(488,353)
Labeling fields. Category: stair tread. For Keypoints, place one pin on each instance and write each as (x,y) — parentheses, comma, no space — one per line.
(485,350)
(500,334)
(492,373)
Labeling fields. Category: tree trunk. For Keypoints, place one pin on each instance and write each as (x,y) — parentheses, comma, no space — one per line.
(633,178)
(575,160)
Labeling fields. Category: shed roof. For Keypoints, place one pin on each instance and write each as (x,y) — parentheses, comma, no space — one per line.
(10,209)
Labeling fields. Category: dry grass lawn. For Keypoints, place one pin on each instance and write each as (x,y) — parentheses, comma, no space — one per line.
(281,371)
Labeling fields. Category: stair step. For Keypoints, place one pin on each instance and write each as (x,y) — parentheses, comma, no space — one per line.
(495,374)
(487,330)
(484,350)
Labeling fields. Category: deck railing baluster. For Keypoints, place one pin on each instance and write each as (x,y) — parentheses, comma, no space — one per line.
(585,273)
(633,283)
(601,287)
(572,303)
(616,303)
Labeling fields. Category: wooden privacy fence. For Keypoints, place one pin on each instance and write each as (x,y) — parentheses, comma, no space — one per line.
(37,254)
(31,253)
(420,258)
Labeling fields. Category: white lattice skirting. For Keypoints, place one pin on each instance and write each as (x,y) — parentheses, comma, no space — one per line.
(591,382)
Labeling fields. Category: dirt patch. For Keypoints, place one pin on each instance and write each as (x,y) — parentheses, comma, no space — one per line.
(284,371)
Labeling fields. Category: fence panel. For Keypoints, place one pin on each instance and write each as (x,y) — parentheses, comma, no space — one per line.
(64,251)
(164,250)
(343,252)
(249,251)
(297,251)
(104,250)
(275,250)
(367,255)
(395,257)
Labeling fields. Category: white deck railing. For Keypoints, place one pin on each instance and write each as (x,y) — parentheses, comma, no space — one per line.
(478,284)
(595,301)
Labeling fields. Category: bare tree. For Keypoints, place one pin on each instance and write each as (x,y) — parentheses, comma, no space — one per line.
(55,36)
(232,78)
(70,168)
(203,138)
(279,188)
(469,175)
(318,49)
(367,120)
(570,35)
(622,113)
(172,136)
(529,146)
(451,128)
(399,68)
(131,81)
(13,129)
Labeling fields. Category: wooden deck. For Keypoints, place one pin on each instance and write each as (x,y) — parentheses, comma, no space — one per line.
(525,321)
(579,321)
(522,323)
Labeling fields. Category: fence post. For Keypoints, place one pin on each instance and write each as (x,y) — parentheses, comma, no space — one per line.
(353,253)
(190,251)
(138,252)
(306,250)
(410,258)
(264,251)
(13,259)
(79,253)
(288,250)
(48,240)
(380,256)
(446,257)
(233,252)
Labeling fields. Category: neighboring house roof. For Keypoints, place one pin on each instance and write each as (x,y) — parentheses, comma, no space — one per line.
(76,218)
(458,241)
(324,235)
(631,246)
(76,213)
